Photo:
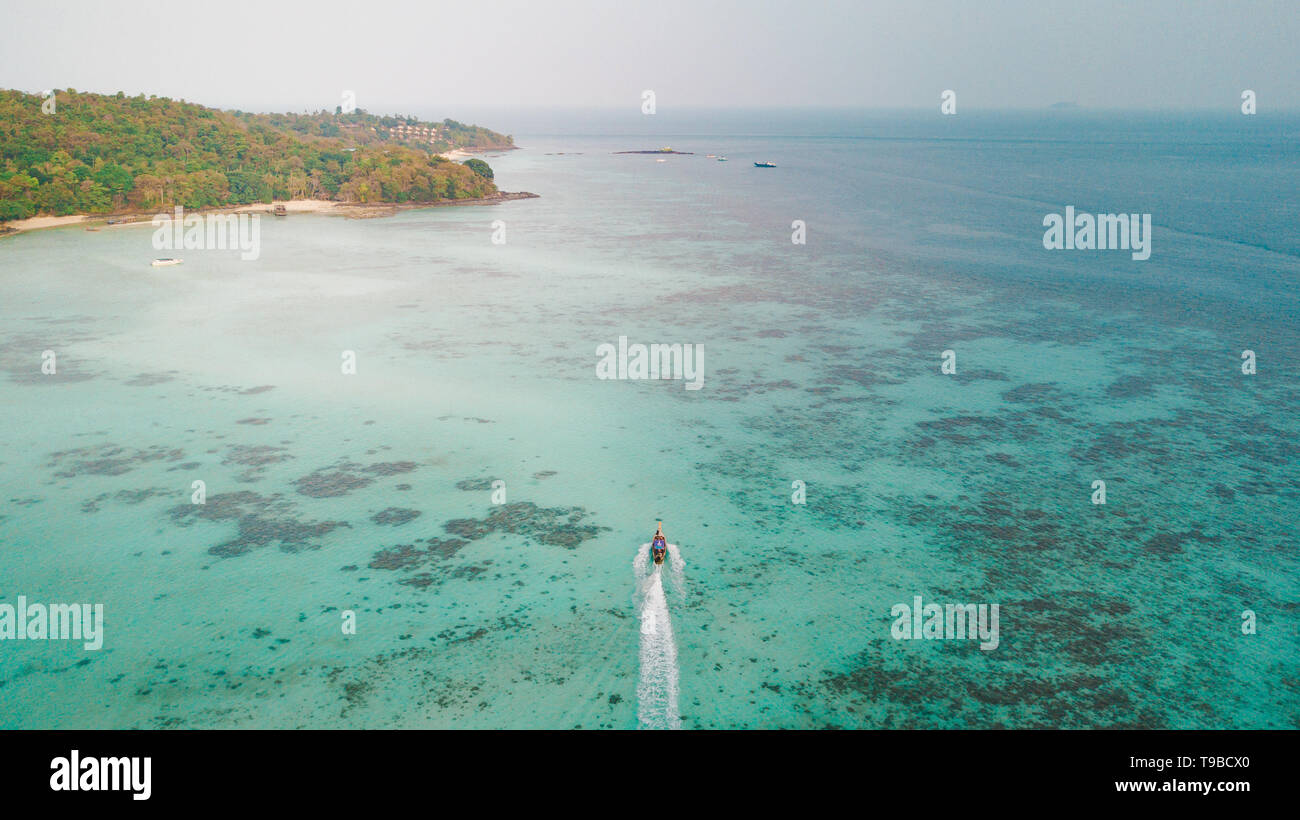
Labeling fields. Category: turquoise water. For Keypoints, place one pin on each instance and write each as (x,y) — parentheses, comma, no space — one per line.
(476,362)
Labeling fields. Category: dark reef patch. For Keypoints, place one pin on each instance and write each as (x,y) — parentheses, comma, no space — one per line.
(424,560)
(1130,387)
(346,476)
(124,497)
(1005,459)
(1119,440)
(329,483)
(445,547)
(395,516)
(390,468)
(150,379)
(1171,543)
(255,458)
(108,459)
(420,580)
(22,356)
(409,556)
(966,376)
(556,526)
(402,556)
(1013,426)
(262,521)
(256,531)
(861,376)
(1033,392)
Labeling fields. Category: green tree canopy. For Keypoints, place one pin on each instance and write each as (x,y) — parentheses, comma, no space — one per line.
(479,167)
(104,153)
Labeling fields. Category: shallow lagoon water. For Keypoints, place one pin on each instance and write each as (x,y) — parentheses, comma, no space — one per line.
(476,362)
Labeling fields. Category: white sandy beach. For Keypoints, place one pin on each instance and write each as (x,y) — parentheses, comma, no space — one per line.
(37,222)
(293,206)
(354,210)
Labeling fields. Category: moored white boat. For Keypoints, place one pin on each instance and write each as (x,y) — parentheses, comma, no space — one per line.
(158,263)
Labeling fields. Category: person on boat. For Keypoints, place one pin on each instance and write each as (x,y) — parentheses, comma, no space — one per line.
(659,545)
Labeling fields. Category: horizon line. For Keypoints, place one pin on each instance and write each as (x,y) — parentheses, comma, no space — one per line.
(1062,106)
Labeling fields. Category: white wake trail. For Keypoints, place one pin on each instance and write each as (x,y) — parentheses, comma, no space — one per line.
(656,691)
(676,569)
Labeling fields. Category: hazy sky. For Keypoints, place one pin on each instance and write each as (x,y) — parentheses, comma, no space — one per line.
(404,57)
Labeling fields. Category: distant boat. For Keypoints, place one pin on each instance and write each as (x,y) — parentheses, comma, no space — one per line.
(764,165)
(722,159)
(159,263)
(280,210)
(661,160)
(710,156)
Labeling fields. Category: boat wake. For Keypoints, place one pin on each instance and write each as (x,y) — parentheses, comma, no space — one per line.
(676,569)
(656,690)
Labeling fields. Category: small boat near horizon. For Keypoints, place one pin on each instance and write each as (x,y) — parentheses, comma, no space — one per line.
(765,165)
(722,159)
(160,263)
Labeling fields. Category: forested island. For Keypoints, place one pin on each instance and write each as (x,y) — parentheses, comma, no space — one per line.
(83,153)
